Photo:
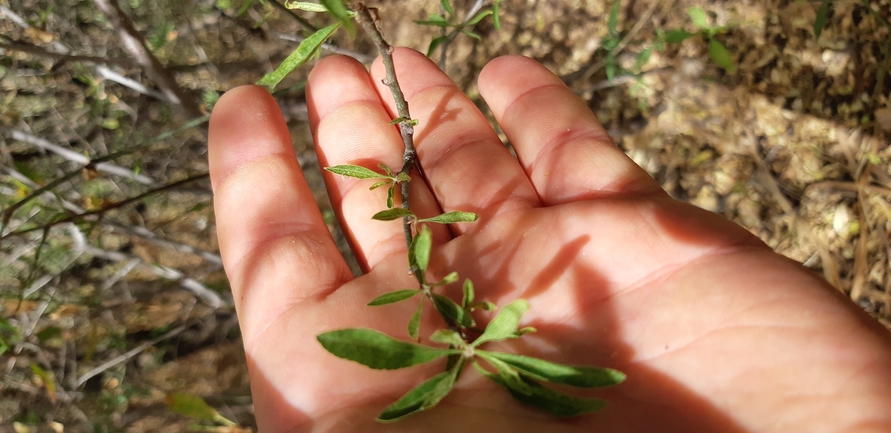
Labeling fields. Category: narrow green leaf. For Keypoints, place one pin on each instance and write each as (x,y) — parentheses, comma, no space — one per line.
(505,371)
(355,171)
(448,308)
(505,323)
(392,297)
(524,330)
(339,11)
(613,23)
(244,8)
(392,214)
(699,17)
(472,34)
(305,6)
(643,58)
(379,184)
(485,305)
(447,336)
(677,36)
(822,15)
(496,17)
(386,169)
(435,20)
(557,403)
(448,279)
(414,324)
(376,350)
(452,217)
(421,397)
(447,6)
(436,42)
(391,191)
(306,49)
(467,300)
(195,407)
(573,375)
(720,55)
(419,253)
(479,17)
(403,177)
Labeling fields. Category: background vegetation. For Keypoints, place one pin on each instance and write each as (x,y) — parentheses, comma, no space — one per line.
(115,313)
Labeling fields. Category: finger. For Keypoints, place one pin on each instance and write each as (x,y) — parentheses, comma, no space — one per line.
(276,248)
(351,126)
(561,145)
(463,159)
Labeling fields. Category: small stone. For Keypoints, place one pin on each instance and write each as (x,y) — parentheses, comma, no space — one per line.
(883,118)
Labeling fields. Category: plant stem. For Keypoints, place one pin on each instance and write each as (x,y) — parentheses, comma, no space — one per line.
(368,20)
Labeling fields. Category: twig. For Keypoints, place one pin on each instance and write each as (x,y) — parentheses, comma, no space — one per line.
(406,129)
(130,354)
(134,43)
(110,206)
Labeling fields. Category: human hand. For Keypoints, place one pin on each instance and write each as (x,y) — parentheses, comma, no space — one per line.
(714,330)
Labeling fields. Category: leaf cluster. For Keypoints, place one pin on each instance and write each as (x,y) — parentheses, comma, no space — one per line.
(455,26)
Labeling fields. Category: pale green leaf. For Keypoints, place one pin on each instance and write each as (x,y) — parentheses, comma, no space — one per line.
(447,336)
(613,23)
(452,217)
(355,171)
(643,58)
(532,393)
(391,191)
(467,300)
(505,323)
(419,253)
(472,34)
(414,324)
(386,169)
(392,297)
(699,17)
(447,6)
(448,279)
(484,305)
(496,18)
(720,55)
(403,177)
(304,52)
(305,6)
(573,375)
(479,17)
(340,12)
(434,20)
(448,308)
(677,36)
(392,214)
(194,407)
(376,350)
(436,42)
(379,184)
(421,397)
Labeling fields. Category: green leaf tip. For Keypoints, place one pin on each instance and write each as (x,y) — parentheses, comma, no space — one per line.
(720,55)
(355,171)
(337,9)
(421,397)
(308,48)
(393,297)
(505,323)
(377,350)
(452,217)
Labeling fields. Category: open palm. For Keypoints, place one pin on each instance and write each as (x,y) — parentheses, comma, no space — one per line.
(714,330)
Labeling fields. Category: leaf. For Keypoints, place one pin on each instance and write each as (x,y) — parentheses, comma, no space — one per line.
(435,43)
(447,6)
(434,20)
(699,17)
(613,22)
(391,191)
(643,58)
(194,407)
(386,169)
(414,324)
(822,15)
(339,11)
(467,300)
(472,34)
(448,308)
(306,49)
(421,397)
(48,380)
(505,323)
(393,297)
(419,253)
(392,214)
(355,171)
(573,375)
(414,122)
(448,279)
(305,6)
(496,18)
(447,336)
(376,350)
(557,403)
(720,55)
(677,36)
(479,17)
(452,217)
(403,177)
(379,184)
(485,305)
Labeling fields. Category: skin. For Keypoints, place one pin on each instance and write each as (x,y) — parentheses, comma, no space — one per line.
(715,331)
